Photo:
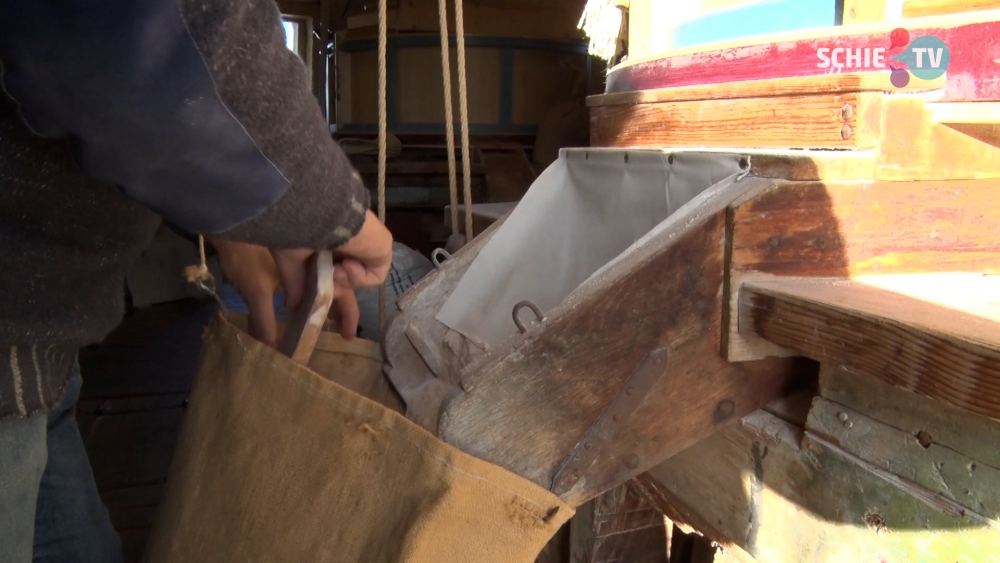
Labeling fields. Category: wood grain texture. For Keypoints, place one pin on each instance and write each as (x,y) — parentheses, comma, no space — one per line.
(412,368)
(808,121)
(785,86)
(973,436)
(782,495)
(529,405)
(971,73)
(852,229)
(910,343)
(941,470)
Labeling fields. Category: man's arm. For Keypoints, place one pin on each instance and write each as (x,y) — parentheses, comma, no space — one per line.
(194,107)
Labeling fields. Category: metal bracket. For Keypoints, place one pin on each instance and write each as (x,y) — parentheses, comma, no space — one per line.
(606,430)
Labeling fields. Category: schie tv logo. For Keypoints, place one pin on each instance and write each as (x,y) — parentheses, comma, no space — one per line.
(926,57)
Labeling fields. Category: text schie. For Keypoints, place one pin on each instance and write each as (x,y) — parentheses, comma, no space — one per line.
(845,57)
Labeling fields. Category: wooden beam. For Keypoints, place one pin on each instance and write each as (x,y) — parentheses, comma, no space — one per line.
(971,77)
(813,121)
(782,494)
(528,407)
(974,436)
(912,343)
(854,229)
(841,83)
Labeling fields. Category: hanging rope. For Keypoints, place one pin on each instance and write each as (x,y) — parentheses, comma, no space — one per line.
(382,38)
(464,116)
(449,118)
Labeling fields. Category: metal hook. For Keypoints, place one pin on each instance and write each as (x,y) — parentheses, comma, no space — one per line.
(746,170)
(517,321)
(434,256)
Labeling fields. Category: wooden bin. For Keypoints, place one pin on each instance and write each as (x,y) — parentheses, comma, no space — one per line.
(512,82)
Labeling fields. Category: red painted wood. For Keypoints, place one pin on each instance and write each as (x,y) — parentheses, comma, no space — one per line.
(972,73)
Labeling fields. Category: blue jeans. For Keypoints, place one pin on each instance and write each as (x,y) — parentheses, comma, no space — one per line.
(50,511)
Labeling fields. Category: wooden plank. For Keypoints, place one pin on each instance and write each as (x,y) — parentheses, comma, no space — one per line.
(923,8)
(842,83)
(938,469)
(529,405)
(809,121)
(781,495)
(974,436)
(971,72)
(914,344)
(914,146)
(852,229)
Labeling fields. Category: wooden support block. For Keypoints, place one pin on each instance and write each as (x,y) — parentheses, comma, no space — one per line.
(808,121)
(780,494)
(853,229)
(914,344)
(529,406)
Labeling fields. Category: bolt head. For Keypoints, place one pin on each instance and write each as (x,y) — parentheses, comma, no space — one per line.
(631,461)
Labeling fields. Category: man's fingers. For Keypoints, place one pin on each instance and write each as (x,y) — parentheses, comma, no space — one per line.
(292,266)
(261,318)
(348,313)
(364,276)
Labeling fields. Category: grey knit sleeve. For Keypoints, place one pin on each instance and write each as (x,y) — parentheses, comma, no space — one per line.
(194,108)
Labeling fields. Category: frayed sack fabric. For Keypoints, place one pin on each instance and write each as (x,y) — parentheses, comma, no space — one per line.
(277,463)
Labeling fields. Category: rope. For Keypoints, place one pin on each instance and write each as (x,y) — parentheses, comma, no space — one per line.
(449,118)
(382,37)
(464,116)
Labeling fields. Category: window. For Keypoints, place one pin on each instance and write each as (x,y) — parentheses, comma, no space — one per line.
(291,35)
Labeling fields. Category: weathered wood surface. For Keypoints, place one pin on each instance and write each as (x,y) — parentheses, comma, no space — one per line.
(971,74)
(842,83)
(527,408)
(782,494)
(852,229)
(938,469)
(968,434)
(806,121)
(915,344)
(424,358)
(619,526)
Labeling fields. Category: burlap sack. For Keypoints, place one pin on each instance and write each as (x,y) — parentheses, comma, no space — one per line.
(276,463)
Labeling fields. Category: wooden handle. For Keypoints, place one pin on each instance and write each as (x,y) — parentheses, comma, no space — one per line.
(307,321)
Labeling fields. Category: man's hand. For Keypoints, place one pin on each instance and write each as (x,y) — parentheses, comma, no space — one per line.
(259,273)
(367,258)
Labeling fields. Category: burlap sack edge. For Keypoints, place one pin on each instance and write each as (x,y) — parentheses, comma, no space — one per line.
(551,508)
